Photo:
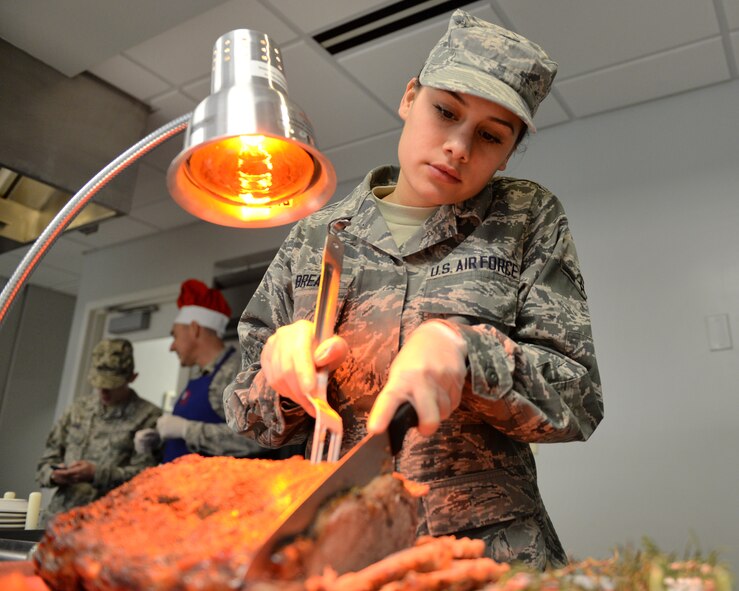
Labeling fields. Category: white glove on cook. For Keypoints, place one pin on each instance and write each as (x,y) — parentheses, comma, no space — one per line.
(429,372)
(146,440)
(172,427)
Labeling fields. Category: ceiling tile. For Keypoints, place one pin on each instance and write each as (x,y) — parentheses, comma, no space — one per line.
(385,66)
(649,78)
(161,156)
(164,215)
(122,73)
(53,278)
(150,187)
(184,53)
(74,35)
(550,113)
(582,35)
(65,254)
(169,106)
(731,7)
(339,109)
(198,90)
(113,231)
(355,161)
(70,287)
(318,15)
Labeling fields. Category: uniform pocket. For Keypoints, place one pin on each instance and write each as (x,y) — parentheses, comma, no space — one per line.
(306,294)
(477,500)
(481,296)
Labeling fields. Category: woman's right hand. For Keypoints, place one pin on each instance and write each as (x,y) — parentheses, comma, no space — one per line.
(290,359)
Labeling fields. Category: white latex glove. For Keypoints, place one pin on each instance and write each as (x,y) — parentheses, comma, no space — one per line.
(289,360)
(429,372)
(146,440)
(171,427)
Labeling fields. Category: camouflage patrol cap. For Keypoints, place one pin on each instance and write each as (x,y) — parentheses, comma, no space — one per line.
(479,58)
(112,363)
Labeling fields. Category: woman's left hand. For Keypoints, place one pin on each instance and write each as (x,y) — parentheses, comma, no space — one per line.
(429,372)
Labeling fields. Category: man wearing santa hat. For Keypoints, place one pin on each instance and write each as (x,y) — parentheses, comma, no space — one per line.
(197,423)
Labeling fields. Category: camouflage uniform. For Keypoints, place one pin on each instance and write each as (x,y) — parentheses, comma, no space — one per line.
(100,434)
(217,439)
(504,261)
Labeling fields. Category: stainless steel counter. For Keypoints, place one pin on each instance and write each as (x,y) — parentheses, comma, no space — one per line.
(18,544)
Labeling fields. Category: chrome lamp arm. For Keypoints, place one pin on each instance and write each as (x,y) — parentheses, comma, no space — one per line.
(77,203)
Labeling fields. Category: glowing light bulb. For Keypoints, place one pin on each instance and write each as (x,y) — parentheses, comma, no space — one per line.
(253,170)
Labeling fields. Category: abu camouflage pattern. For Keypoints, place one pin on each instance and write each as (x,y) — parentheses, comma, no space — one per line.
(504,261)
(218,439)
(485,60)
(112,363)
(100,434)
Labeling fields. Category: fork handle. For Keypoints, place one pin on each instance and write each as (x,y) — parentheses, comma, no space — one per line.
(322,384)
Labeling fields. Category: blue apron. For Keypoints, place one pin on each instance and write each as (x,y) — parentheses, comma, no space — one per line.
(193,405)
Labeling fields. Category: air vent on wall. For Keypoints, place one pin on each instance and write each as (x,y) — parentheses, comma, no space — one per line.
(383,21)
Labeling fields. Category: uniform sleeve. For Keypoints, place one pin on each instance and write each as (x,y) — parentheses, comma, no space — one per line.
(251,406)
(54,451)
(108,476)
(540,382)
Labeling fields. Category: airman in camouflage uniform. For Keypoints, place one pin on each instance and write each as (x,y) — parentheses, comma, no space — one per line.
(93,440)
(501,267)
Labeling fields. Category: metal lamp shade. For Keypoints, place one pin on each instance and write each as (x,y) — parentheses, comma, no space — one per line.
(250,158)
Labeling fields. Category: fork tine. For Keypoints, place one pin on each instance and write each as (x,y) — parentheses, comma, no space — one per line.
(327,421)
(319,436)
(334,447)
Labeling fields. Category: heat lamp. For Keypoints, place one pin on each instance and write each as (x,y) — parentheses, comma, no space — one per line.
(249,159)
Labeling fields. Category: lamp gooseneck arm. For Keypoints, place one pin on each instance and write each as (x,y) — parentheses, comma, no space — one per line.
(75,205)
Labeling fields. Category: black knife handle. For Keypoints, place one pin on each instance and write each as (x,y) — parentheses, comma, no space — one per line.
(405,418)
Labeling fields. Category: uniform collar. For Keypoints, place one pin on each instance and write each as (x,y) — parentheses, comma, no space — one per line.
(368,225)
(208,369)
(117,411)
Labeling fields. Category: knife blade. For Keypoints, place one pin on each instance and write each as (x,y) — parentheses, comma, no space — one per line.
(369,458)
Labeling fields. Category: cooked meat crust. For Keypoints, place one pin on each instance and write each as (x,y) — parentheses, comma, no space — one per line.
(193,524)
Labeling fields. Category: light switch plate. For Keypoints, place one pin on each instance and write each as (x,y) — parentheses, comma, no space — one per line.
(719,332)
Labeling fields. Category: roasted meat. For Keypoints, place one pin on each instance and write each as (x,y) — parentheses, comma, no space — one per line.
(193,524)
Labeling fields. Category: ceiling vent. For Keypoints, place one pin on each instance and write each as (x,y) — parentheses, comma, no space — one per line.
(383,21)
(57,133)
(27,206)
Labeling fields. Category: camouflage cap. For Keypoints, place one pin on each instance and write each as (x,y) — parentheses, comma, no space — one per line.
(112,363)
(479,58)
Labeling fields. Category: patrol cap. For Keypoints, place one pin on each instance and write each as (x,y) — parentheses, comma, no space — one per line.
(480,58)
(112,363)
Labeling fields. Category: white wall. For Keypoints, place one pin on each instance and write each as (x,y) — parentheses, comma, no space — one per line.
(652,193)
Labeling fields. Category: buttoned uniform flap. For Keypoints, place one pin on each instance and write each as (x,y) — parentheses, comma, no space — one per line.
(305,293)
(480,295)
(476,500)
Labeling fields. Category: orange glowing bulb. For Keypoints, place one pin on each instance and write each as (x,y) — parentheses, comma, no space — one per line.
(252,170)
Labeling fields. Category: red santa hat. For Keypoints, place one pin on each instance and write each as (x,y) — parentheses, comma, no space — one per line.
(204,305)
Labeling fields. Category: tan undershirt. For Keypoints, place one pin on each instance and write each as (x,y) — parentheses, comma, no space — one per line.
(401,220)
